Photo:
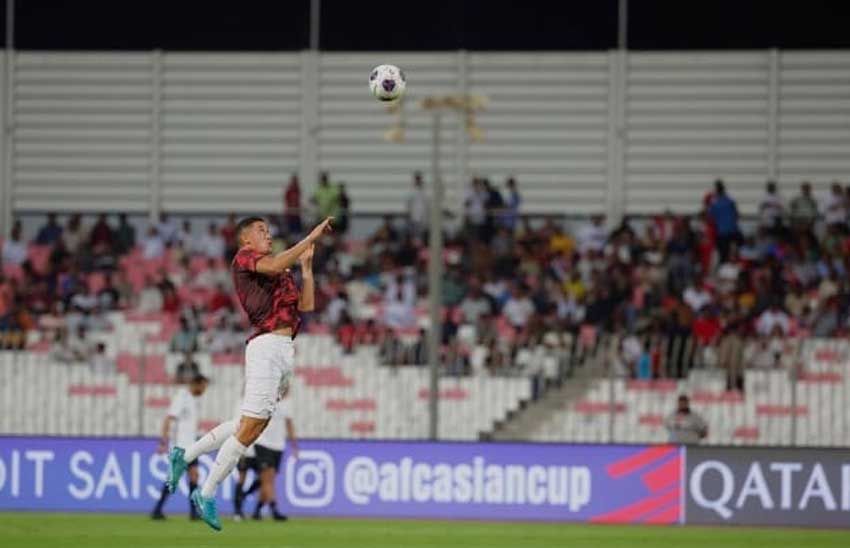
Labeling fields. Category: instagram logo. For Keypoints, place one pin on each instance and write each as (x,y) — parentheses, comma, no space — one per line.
(310,479)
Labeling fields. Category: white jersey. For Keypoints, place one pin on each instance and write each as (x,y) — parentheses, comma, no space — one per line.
(274,436)
(184,410)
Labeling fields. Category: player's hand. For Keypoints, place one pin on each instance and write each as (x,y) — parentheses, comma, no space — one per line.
(321,228)
(306,258)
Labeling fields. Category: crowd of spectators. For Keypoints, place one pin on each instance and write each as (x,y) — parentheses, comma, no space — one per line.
(519,295)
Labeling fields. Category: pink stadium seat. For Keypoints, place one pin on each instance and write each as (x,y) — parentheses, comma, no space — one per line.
(153,367)
(773,410)
(324,376)
(226,360)
(749,433)
(725,397)
(98,390)
(362,427)
(158,403)
(205,425)
(825,377)
(41,347)
(361,404)
(651,419)
(456,393)
(598,408)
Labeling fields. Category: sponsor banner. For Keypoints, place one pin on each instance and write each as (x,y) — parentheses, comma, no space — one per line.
(768,486)
(597,483)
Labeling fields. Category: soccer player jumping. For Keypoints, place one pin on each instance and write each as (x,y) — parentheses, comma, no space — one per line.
(268,293)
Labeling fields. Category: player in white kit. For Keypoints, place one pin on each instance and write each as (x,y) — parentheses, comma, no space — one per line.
(180,429)
(268,453)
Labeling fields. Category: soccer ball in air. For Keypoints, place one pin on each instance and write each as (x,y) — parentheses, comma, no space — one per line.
(387,82)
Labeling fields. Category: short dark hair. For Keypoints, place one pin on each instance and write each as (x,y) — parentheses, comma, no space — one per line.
(245,223)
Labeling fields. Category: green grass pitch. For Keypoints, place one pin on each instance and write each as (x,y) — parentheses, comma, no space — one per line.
(25,530)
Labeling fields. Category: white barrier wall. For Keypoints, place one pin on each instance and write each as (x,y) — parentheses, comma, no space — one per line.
(582,132)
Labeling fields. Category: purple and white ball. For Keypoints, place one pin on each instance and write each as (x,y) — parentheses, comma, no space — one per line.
(387,82)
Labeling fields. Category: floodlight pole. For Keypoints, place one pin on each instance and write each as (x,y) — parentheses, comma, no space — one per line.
(7,154)
(435,280)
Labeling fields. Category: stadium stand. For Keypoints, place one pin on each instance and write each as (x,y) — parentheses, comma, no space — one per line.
(99,321)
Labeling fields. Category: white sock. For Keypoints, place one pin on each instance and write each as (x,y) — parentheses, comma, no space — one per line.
(225,462)
(212,440)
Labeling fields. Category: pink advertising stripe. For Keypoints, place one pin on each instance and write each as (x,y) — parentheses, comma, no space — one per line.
(666,516)
(641,508)
(628,465)
(662,477)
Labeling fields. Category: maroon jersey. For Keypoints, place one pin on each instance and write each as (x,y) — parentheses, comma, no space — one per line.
(271,302)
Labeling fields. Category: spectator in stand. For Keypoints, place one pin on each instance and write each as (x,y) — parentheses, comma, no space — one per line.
(326,197)
(341,222)
(292,206)
(125,235)
(417,207)
(771,207)
(826,321)
(228,232)
(167,228)
(109,298)
(184,238)
(475,304)
(519,308)
(495,205)
(398,311)
(74,236)
(475,210)
(15,248)
(758,354)
(804,208)
(684,426)
(79,345)
(102,236)
(150,298)
(219,300)
(723,212)
(50,233)
(835,207)
(84,300)
(213,244)
(101,364)
(592,236)
(697,295)
(186,369)
(773,320)
(510,216)
(185,339)
(213,275)
(336,308)
(153,246)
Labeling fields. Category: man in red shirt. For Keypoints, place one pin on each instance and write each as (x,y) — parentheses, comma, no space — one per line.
(269,294)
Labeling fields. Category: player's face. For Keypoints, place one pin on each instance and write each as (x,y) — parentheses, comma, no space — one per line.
(258,237)
(198,388)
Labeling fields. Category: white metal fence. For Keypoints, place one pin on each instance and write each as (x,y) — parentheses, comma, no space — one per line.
(616,131)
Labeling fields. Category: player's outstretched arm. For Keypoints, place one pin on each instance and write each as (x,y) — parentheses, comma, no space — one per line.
(276,264)
(307,298)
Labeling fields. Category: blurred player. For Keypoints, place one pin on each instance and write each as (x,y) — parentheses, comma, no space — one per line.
(180,427)
(269,450)
(269,294)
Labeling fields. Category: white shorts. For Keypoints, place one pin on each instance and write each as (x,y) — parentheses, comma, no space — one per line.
(269,362)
